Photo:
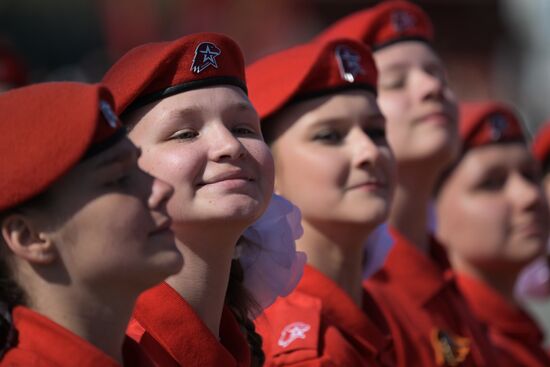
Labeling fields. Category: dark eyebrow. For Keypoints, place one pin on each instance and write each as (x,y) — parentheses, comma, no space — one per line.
(241,107)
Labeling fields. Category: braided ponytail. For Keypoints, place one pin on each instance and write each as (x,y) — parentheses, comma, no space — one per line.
(241,302)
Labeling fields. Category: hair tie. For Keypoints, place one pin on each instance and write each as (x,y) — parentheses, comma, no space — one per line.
(272,267)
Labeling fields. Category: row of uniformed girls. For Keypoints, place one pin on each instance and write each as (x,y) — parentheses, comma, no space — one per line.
(159,247)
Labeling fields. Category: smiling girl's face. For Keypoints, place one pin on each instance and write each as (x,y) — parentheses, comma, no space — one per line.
(207,143)
(332,159)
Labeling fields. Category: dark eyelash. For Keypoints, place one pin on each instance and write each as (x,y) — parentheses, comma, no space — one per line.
(185,135)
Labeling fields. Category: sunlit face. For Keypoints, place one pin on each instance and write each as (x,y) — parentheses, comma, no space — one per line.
(108,221)
(491,210)
(332,159)
(419,107)
(207,143)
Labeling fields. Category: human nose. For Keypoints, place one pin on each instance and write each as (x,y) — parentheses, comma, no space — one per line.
(432,86)
(365,151)
(161,192)
(225,146)
(526,194)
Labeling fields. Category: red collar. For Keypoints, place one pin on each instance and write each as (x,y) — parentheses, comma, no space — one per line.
(415,273)
(40,339)
(340,310)
(171,321)
(497,313)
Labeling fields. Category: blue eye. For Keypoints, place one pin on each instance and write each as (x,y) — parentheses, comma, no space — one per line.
(328,137)
(185,135)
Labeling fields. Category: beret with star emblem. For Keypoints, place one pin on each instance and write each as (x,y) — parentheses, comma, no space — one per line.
(155,71)
(488,122)
(383,25)
(309,70)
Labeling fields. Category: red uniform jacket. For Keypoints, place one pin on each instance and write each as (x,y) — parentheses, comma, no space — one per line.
(430,320)
(318,324)
(515,335)
(167,329)
(43,343)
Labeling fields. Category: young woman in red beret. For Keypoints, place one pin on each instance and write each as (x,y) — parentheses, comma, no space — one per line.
(319,113)
(493,219)
(83,230)
(188,111)
(416,285)
(534,280)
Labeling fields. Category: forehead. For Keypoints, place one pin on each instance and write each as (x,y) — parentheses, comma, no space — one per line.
(342,105)
(203,99)
(208,100)
(406,53)
(508,156)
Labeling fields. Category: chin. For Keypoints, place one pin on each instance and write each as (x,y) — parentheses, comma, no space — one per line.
(530,250)
(241,206)
(375,215)
(440,153)
(163,265)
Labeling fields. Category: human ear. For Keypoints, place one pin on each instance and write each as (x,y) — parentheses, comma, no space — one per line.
(24,239)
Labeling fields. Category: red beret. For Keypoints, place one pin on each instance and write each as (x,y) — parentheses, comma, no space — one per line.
(541,143)
(154,71)
(384,24)
(309,70)
(45,130)
(488,122)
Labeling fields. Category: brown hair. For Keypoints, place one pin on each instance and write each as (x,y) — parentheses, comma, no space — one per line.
(241,303)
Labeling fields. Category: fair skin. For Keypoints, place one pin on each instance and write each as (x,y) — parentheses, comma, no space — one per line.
(492,214)
(421,114)
(207,143)
(333,162)
(102,238)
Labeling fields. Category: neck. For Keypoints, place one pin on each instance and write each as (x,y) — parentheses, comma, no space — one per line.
(203,280)
(409,212)
(100,320)
(503,281)
(337,252)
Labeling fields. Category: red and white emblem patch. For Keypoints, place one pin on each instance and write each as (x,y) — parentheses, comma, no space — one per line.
(205,56)
(292,332)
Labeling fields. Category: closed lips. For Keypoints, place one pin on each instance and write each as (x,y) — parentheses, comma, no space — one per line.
(237,175)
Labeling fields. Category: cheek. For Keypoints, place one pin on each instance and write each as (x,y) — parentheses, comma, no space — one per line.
(178,167)
(393,105)
(475,227)
(261,155)
(309,177)
(95,236)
